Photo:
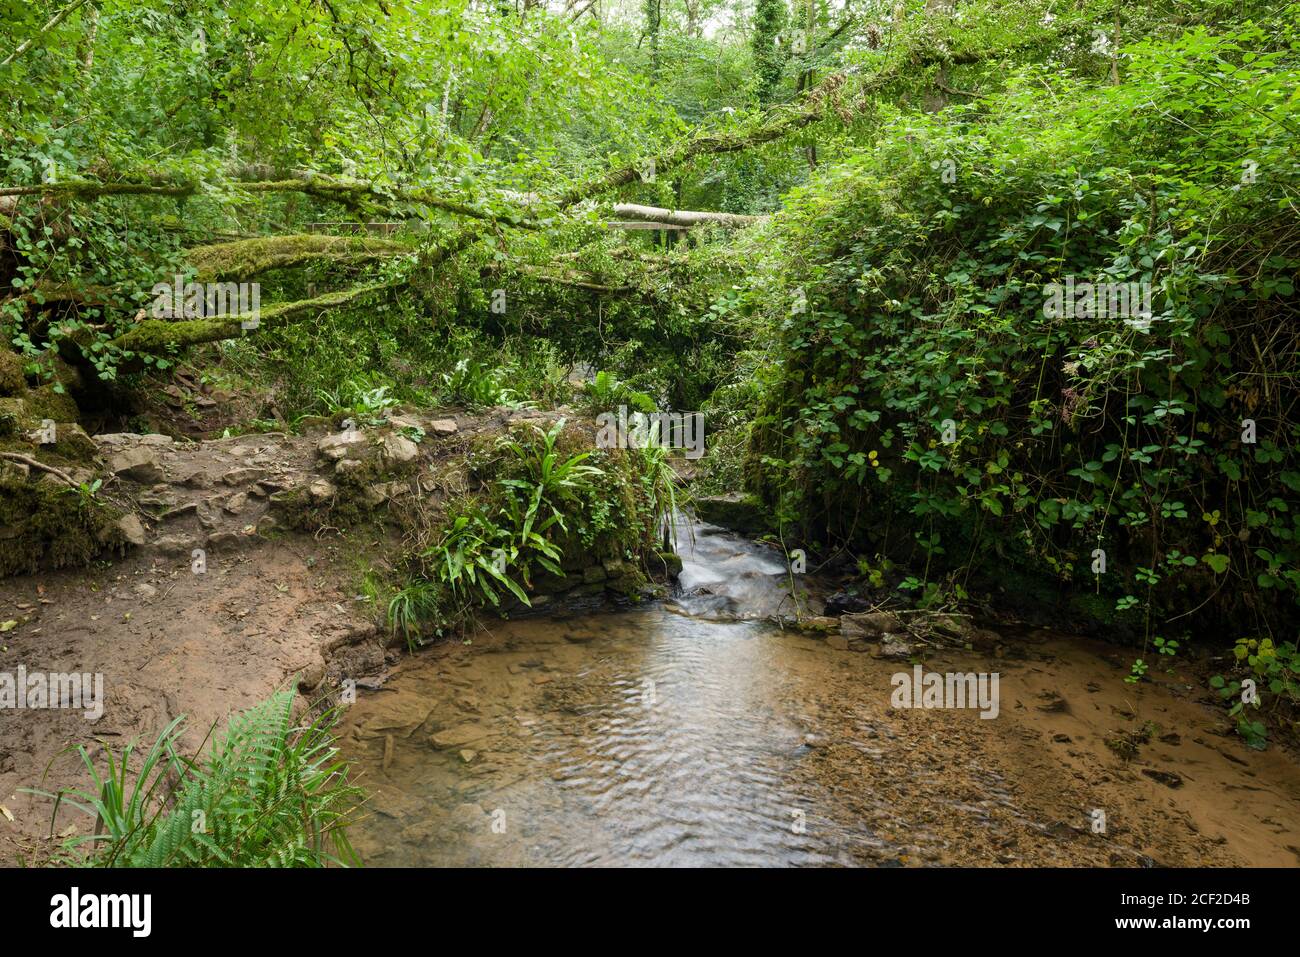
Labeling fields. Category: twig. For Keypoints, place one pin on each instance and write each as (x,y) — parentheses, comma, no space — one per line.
(53,22)
(28,460)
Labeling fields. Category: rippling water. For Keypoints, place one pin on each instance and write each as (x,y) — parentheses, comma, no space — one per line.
(680,734)
(645,737)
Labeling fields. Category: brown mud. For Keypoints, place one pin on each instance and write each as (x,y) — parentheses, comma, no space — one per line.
(269,603)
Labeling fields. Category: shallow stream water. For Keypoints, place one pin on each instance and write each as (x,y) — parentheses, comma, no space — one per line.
(696,731)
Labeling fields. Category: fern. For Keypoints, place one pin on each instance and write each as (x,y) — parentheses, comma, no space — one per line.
(269,794)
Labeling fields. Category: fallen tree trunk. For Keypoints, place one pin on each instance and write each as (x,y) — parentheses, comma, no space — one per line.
(635,224)
(683,217)
(157,335)
(349,192)
(245,258)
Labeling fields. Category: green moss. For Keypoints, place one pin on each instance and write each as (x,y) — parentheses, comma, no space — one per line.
(13,415)
(42,526)
(46,403)
(12,380)
(251,257)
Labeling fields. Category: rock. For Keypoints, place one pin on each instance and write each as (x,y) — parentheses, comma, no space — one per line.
(140,464)
(838,642)
(1055,703)
(468,754)
(183,509)
(374,495)
(467,817)
(244,476)
(115,440)
(870,624)
(337,446)
(548,583)
(403,713)
(443,426)
(892,646)
(174,545)
(145,591)
(843,603)
(314,422)
(12,379)
(457,736)
(194,477)
(157,440)
(398,449)
(311,676)
(672,563)
(163,498)
(954,626)
(595,573)
(322,490)
(740,513)
(820,625)
(131,528)
(235,504)
(13,412)
(1169,779)
(72,440)
(395,489)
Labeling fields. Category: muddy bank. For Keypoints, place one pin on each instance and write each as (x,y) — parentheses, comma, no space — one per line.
(246,569)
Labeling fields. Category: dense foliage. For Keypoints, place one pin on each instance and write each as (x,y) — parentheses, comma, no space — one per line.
(901,298)
(438,197)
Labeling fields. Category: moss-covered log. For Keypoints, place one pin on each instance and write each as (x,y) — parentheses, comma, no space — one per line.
(348,192)
(159,335)
(252,257)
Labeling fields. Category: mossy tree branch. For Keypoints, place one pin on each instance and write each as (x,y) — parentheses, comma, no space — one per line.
(158,335)
(251,257)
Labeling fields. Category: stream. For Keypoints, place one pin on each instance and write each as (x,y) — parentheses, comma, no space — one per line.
(696,731)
